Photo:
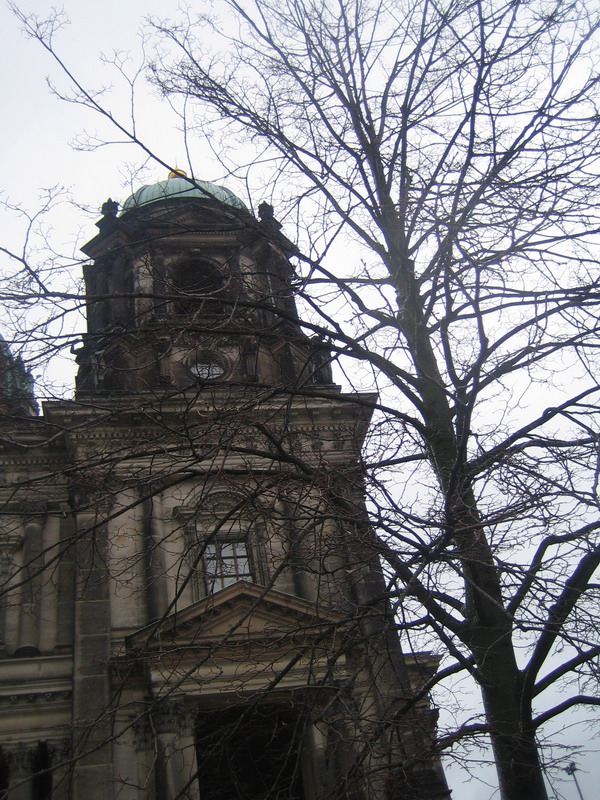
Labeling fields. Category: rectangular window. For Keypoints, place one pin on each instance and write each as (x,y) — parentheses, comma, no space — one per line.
(226,562)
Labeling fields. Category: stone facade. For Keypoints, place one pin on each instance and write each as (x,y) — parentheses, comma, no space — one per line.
(193,604)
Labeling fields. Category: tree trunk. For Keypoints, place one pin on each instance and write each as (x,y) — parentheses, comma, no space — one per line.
(488,626)
(513,740)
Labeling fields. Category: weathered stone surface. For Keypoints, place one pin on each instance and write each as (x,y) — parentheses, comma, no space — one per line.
(206,444)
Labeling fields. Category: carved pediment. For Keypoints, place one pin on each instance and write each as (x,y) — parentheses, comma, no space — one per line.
(243,612)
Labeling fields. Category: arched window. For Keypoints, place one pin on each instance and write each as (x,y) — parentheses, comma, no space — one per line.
(222,545)
(198,284)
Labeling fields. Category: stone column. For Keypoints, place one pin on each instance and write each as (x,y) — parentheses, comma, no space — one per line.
(65,588)
(279,534)
(19,761)
(47,639)
(175,728)
(8,616)
(61,769)
(145,750)
(174,549)
(157,600)
(314,769)
(125,529)
(29,632)
(127,785)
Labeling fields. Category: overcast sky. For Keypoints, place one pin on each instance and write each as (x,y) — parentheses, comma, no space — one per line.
(37,135)
(38,129)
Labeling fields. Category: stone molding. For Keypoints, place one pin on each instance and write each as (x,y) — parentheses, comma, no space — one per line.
(35,698)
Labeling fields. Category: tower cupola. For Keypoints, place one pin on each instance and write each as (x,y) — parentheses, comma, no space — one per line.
(188,288)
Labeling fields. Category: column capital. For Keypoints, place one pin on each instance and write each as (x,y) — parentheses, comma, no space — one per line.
(176,715)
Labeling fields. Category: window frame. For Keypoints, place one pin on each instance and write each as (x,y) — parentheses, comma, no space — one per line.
(218,528)
(221,577)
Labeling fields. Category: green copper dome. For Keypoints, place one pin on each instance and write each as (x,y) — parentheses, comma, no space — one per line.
(14,378)
(16,383)
(176,187)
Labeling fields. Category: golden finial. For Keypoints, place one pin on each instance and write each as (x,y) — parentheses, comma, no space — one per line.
(177,173)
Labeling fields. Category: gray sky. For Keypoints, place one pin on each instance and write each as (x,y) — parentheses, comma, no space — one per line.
(37,133)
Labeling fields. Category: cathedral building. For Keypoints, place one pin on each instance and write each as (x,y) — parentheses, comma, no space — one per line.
(192,600)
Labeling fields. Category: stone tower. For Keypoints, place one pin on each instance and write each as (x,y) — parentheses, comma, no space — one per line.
(202,605)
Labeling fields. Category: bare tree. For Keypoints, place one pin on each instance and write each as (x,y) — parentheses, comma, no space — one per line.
(455,147)
(205,471)
(456,144)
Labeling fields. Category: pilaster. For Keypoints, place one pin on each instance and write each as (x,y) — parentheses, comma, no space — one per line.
(92,723)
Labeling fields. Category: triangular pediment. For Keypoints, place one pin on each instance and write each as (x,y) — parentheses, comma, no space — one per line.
(242,612)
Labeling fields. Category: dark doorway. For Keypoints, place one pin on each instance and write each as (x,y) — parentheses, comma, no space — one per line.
(42,776)
(250,753)
(3,775)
